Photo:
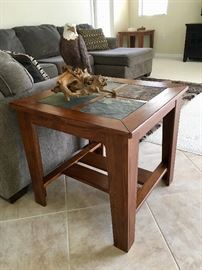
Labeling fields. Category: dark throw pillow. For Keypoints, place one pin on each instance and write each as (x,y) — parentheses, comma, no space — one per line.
(31,65)
(94,39)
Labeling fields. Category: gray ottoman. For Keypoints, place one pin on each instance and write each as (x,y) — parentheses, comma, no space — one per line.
(129,63)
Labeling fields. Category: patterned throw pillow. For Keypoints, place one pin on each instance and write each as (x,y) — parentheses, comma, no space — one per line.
(94,39)
(31,65)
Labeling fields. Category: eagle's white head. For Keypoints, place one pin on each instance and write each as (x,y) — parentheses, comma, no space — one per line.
(70,32)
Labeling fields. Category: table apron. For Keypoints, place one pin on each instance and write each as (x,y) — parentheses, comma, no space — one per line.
(147,124)
(83,132)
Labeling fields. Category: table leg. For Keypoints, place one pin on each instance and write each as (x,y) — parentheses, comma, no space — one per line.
(122,165)
(132,41)
(33,154)
(151,40)
(170,131)
(140,40)
(120,40)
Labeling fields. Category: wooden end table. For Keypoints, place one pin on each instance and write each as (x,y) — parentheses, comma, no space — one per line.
(118,124)
(139,35)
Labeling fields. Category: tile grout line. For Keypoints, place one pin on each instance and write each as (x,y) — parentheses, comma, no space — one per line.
(184,153)
(163,237)
(31,217)
(87,207)
(181,151)
(53,213)
(67,225)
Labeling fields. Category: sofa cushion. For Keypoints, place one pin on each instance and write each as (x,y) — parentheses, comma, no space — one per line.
(94,39)
(50,69)
(56,60)
(14,78)
(9,41)
(32,66)
(132,72)
(83,26)
(39,41)
(60,29)
(112,42)
(59,62)
(78,26)
(122,56)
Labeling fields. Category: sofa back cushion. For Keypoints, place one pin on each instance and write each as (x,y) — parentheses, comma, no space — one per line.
(84,26)
(9,41)
(60,30)
(78,27)
(39,41)
(14,78)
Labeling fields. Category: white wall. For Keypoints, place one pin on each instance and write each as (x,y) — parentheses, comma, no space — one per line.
(121,15)
(58,12)
(170,28)
(34,12)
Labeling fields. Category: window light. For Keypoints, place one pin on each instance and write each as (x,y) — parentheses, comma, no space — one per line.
(152,7)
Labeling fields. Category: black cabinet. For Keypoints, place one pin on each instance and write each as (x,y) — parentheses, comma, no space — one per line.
(193,42)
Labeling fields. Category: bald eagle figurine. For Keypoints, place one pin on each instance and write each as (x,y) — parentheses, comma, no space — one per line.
(73,49)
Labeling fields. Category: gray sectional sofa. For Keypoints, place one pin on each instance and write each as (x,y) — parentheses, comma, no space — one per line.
(42,42)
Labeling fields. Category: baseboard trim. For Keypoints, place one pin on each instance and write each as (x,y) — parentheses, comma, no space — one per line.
(168,55)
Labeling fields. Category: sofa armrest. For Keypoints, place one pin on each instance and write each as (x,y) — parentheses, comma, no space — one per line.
(112,42)
(14,173)
(11,151)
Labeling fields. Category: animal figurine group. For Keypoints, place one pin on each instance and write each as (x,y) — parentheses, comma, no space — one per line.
(76,82)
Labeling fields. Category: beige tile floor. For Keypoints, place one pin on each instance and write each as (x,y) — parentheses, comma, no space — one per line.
(74,231)
(175,69)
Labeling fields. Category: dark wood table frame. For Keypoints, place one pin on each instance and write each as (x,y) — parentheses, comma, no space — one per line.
(121,139)
(139,35)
